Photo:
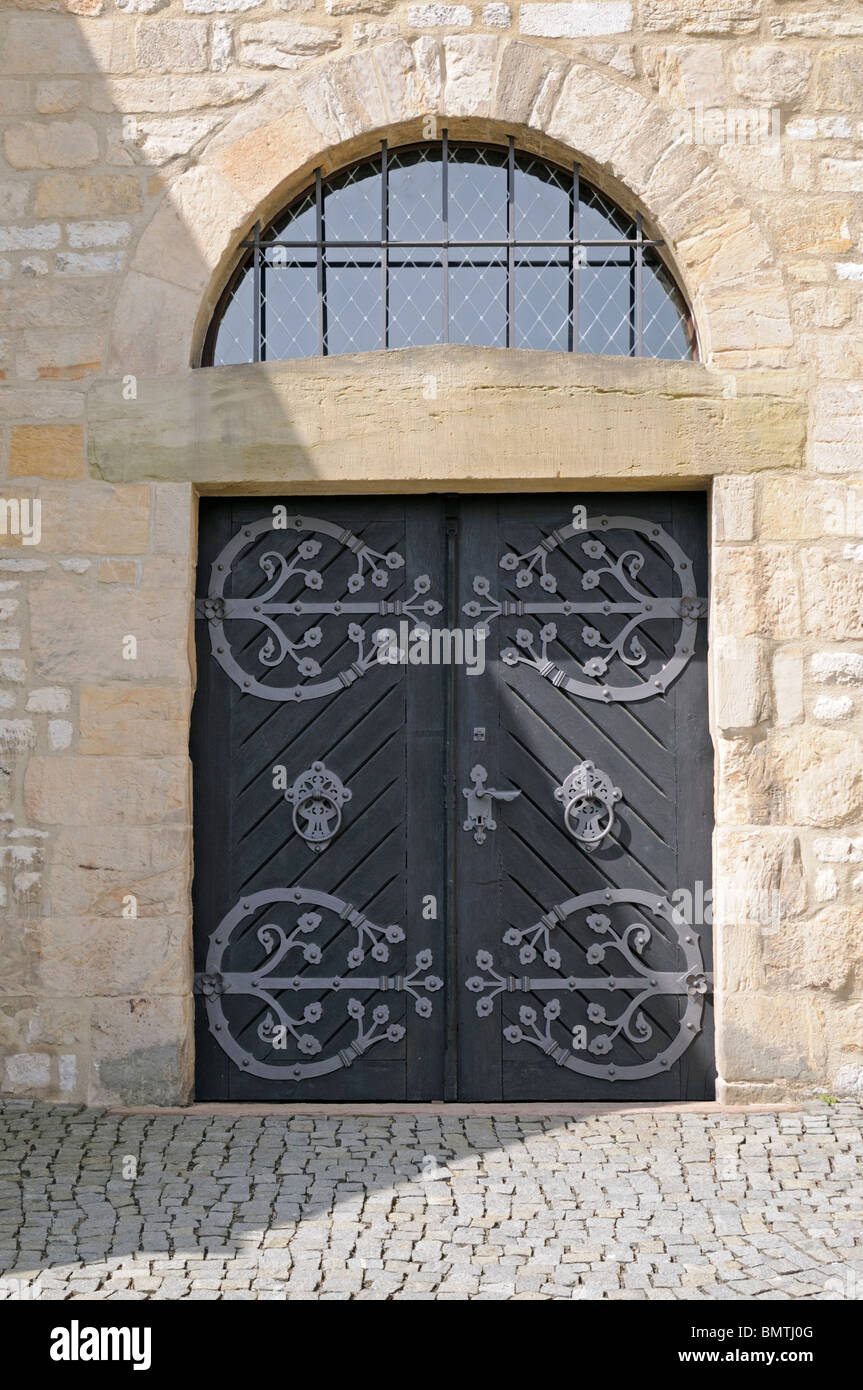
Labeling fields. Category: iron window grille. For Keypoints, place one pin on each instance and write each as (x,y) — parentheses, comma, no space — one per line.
(450,242)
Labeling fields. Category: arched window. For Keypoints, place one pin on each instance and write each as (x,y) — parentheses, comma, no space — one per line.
(450,242)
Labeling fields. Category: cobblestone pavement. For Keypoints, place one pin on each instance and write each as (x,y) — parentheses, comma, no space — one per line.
(655,1205)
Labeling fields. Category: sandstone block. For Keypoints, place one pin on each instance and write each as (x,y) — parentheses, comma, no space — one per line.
(47,451)
(581,19)
(700,17)
(280,44)
(845,668)
(76,956)
(838,430)
(756,592)
(93,868)
(106,791)
(89,644)
(344,98)
(741,686)
(171,45)
(812,226)
(733,509)
(151,326)
(832,592)
(411,76)
(439,16)
(788,687)
(837,75)
(824,953)
(51,145)
(141,1050)
(25,1072)
(469,63)
(770,1037)
(191,230)
(760,879)
(771,74)
(148,720)
(687,76)
(98,519)
(528,82)
(87,195)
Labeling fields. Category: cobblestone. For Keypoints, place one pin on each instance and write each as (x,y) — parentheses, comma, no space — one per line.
(657,1205)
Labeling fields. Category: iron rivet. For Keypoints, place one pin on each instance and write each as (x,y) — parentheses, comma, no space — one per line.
(217,1027)
(663,1061)
(655,531)
(648,607)
(219,567)
(256,608)
(691,1027)
(246,684)
(245,1063)
(247,533)
(689,940)
(220,651)
(653,982)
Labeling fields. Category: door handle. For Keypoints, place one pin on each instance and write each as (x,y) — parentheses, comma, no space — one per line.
(480,800)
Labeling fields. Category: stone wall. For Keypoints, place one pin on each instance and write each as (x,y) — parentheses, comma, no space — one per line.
(140,140)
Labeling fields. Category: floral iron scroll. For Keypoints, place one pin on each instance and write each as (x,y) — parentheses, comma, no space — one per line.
(574,1027)
(298,572)
(264,1038)
(625,650)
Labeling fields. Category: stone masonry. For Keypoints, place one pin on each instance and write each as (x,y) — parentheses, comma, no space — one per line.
(139,140)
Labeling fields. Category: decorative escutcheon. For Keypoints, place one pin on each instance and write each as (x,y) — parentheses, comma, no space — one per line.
(589,799)
(479,804)
(317,797)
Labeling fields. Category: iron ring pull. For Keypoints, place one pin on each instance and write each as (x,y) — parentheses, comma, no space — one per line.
(317,797)
(588,791)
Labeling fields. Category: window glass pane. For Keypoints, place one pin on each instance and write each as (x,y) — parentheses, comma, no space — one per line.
(352,303)
(415,195)
(477,194)
(605,321)
(542,300)
(664,319)
(352,204)
(297,225)
(477,296)
(599,219)
(352,285)
(289,318)
(415,296)
(542,202)
(234,340)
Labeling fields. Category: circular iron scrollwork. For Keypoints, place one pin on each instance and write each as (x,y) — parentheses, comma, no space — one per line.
(633,950)
(296,589)
(609,590)
(256,1013)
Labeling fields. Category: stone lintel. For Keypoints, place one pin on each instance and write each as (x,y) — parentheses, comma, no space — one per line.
(448,416)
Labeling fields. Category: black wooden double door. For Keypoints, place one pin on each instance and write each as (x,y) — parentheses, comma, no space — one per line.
(452,799)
